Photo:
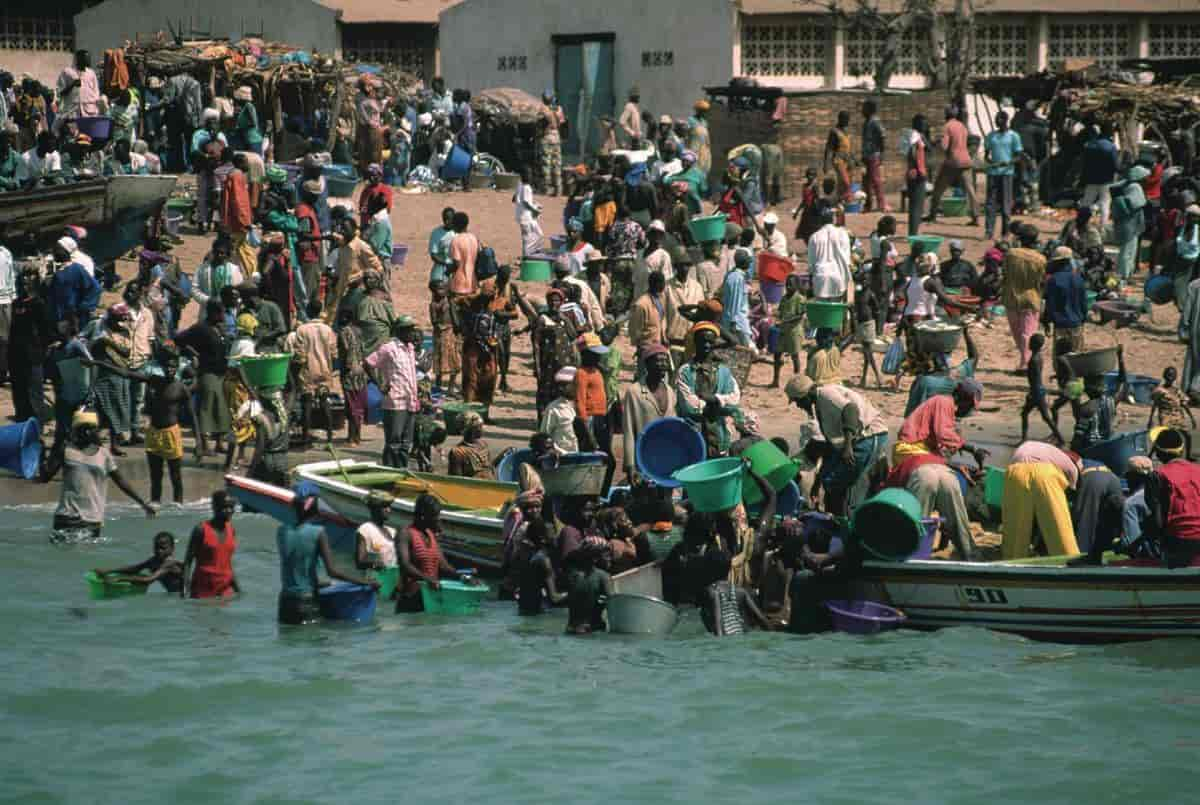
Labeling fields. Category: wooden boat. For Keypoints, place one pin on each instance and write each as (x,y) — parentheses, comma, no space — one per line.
(472,510)
(112,208)
(1041,599)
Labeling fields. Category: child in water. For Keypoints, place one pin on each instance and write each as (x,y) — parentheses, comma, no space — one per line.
(162,567)
(588,589)
(725,608)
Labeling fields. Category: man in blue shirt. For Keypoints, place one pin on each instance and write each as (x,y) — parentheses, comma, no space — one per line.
(73,289)
(1001,148)
(1100,165)
(1066,303)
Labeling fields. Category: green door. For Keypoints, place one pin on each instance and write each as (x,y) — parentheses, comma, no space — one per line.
(583,81)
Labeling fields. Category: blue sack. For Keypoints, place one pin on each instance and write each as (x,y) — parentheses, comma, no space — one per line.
(893,358)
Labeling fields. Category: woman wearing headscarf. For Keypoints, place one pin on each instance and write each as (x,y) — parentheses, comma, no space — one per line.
(554,338)
(480,344)
(1129,202)
(698,141)
(111,389)
(368,121)
(706,391)
(247,134)
(470,458)
(237,393)
(272,439)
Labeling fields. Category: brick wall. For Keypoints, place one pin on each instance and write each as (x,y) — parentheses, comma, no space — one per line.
(810,115)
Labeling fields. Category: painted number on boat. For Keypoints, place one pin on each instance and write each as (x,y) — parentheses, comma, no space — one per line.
(983,595)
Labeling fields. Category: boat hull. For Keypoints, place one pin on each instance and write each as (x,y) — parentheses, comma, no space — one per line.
(91,203)
(469,539)
(1056,603)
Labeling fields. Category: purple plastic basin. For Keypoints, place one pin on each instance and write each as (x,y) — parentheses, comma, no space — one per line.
(863,617)
(927,541)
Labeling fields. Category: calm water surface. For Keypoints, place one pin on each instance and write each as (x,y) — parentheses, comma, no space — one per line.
(161,700)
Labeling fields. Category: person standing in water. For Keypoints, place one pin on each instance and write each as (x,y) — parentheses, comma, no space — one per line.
(211,548)
(87,465)
(375,540)
(300,546)
(420,557)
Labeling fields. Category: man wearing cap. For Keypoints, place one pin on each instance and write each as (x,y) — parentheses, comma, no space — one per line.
(550,122)
(393,367)
(706,392)
(558,420)
(631,119)
(774,240)
(1173,495)
(72,289)
(1065,303)
(932,427)
(854,429)
(681,291)
(957,272)
(648,398)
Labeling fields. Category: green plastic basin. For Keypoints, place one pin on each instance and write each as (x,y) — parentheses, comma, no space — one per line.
(388,578)
(99,589)
(825,314)
(454,598)
(714,485)
(931,242)
(772,464)
(534,270)
(993,485)
(888,526)
(708,228)
(266,371)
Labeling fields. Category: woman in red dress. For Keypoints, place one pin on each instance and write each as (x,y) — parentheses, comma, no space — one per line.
(420,558)
(212,546)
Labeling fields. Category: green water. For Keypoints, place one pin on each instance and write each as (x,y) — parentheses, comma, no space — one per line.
(165,701)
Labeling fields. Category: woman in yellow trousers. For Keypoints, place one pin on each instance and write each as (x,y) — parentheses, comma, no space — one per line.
(1036,491)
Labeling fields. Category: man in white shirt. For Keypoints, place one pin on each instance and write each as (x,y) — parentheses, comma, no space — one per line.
(558,420)
(775,241)
(533,240)
(829,259)
(40,161)
(682,290)
(218,272)
(657,259)
(78,234)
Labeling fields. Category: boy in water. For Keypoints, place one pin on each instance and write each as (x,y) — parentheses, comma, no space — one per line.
(1170,403)
(162,567)
(588,589)
(727,609)
(1036,398)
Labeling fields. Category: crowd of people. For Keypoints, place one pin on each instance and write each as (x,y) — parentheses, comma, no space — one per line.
(290,272)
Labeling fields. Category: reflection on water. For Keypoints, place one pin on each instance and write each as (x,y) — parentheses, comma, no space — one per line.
(160,698)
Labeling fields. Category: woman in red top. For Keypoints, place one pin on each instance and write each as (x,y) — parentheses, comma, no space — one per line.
(212,546)
(308,243)
(420,558)
(375,187)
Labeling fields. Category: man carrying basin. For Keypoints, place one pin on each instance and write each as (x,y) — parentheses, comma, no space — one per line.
(856,432)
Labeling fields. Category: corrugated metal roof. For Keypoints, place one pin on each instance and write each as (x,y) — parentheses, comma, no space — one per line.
(994,7)
(410,11)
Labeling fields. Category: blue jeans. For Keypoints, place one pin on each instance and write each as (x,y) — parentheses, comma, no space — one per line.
(999,201)
(398,437)
(846,484)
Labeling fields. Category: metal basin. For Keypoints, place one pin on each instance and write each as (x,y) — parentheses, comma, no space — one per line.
(633,613)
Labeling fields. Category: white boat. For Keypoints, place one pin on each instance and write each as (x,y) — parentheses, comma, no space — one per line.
(1042,599)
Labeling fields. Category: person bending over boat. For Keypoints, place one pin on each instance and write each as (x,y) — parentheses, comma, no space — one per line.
(1035,491)
(300,546)
(932,427)
(162,567)
(211,547)
(87,466)
(420,557)
(726,608)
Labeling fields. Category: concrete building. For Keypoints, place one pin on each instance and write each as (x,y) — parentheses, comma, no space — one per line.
(37,36)
(591,55)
